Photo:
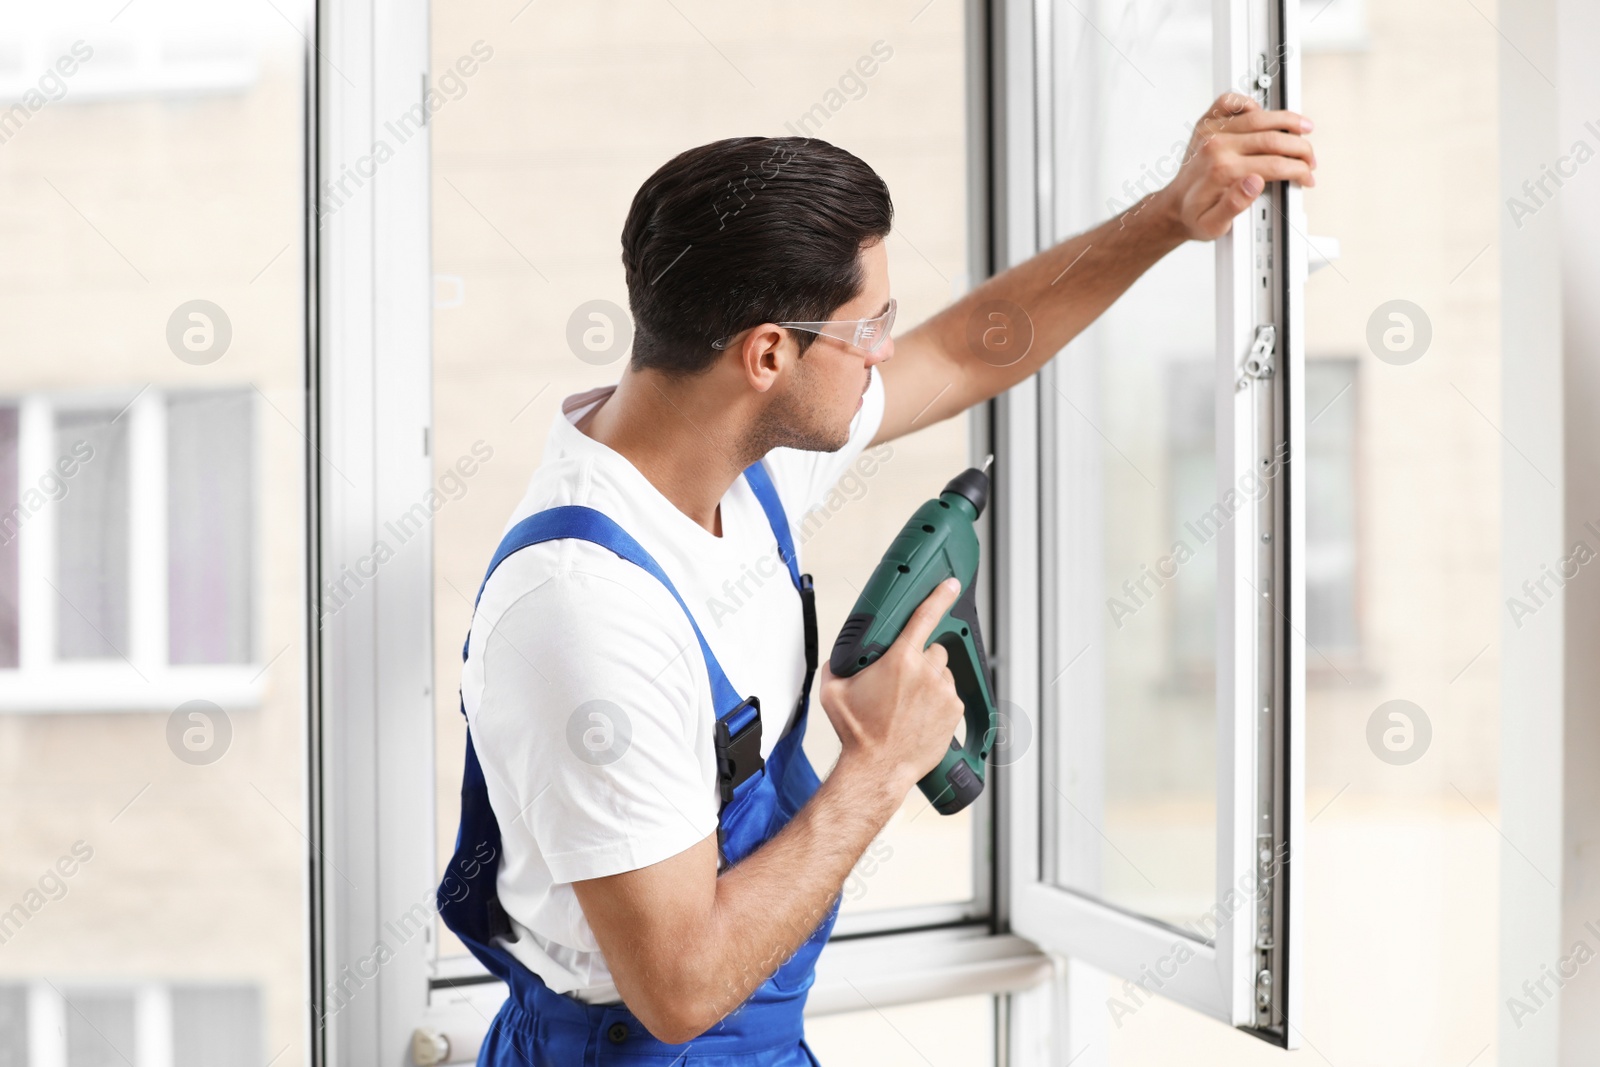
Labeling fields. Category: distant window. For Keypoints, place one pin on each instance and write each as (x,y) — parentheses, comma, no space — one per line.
(216,1026)
(127,550)
(112,1026)
(101,1030)
(14,1026)
(10,564)
(55,54)
(92,537)
(1332,626)
(209,525)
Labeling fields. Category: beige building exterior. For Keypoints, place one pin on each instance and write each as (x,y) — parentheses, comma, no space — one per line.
(167,170)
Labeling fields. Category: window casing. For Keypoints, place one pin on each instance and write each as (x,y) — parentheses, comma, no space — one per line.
(375,689)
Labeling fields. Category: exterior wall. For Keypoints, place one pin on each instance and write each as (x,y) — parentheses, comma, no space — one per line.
(119,202)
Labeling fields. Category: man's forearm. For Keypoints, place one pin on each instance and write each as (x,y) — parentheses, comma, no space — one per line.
(1065,288)
(687,945)
(1059,292)
(770,903)
(946,365)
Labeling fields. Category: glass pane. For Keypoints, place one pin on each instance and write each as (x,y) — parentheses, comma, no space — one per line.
(100,1029)
(216,1027)
(1131,800)
(545,133)
(14,1026)
(151,826)
(209,526)
(11,520)
(92,538)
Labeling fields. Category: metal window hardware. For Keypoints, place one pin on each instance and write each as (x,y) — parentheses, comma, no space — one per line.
(1259,363)
(1263,78)
(1264,990)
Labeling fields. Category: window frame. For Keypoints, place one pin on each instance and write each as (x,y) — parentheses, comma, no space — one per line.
(1220,979)
(369,664)
(146,680)
(369,290)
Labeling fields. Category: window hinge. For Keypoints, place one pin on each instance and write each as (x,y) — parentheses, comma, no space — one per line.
(1258,364)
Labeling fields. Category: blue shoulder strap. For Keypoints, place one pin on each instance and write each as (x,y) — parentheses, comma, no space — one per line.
(761,484)
(590,525)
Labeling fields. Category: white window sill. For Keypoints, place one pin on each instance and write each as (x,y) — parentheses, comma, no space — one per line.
(102,686)
(858,974)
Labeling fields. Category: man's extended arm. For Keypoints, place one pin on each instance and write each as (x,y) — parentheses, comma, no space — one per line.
(1236,148)
(684,946)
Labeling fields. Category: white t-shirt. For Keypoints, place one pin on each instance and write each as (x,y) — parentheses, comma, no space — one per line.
(586,691)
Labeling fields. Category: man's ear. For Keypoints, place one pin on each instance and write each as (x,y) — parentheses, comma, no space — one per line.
(764,355)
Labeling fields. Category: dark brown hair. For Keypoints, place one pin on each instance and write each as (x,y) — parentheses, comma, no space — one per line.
(744,231)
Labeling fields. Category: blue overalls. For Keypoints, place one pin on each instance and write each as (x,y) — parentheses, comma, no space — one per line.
(537,1027)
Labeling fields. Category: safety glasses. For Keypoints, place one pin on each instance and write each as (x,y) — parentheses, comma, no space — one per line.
(865,334)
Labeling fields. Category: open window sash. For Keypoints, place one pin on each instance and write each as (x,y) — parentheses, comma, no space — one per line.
(1237,959)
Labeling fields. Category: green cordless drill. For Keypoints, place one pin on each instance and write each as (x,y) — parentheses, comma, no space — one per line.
(940,541)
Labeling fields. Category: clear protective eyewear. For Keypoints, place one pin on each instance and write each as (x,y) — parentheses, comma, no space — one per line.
(865,334)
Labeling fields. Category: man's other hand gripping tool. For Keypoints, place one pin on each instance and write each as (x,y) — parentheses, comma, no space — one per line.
(940,541)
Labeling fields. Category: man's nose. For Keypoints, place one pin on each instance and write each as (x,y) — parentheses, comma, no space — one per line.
(881,354)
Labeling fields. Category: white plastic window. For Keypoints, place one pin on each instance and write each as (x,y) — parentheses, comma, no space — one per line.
(1154,821)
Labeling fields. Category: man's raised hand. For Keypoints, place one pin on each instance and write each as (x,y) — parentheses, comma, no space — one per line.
(1235,150)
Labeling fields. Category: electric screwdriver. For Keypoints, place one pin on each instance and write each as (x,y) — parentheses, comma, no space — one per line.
(940,541)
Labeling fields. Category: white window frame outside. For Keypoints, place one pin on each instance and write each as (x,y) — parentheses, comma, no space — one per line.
(145,680)
(1221,979)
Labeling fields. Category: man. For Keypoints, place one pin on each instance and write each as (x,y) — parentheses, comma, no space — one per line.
(624,863)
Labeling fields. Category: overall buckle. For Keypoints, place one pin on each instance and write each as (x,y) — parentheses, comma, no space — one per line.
(738,744)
